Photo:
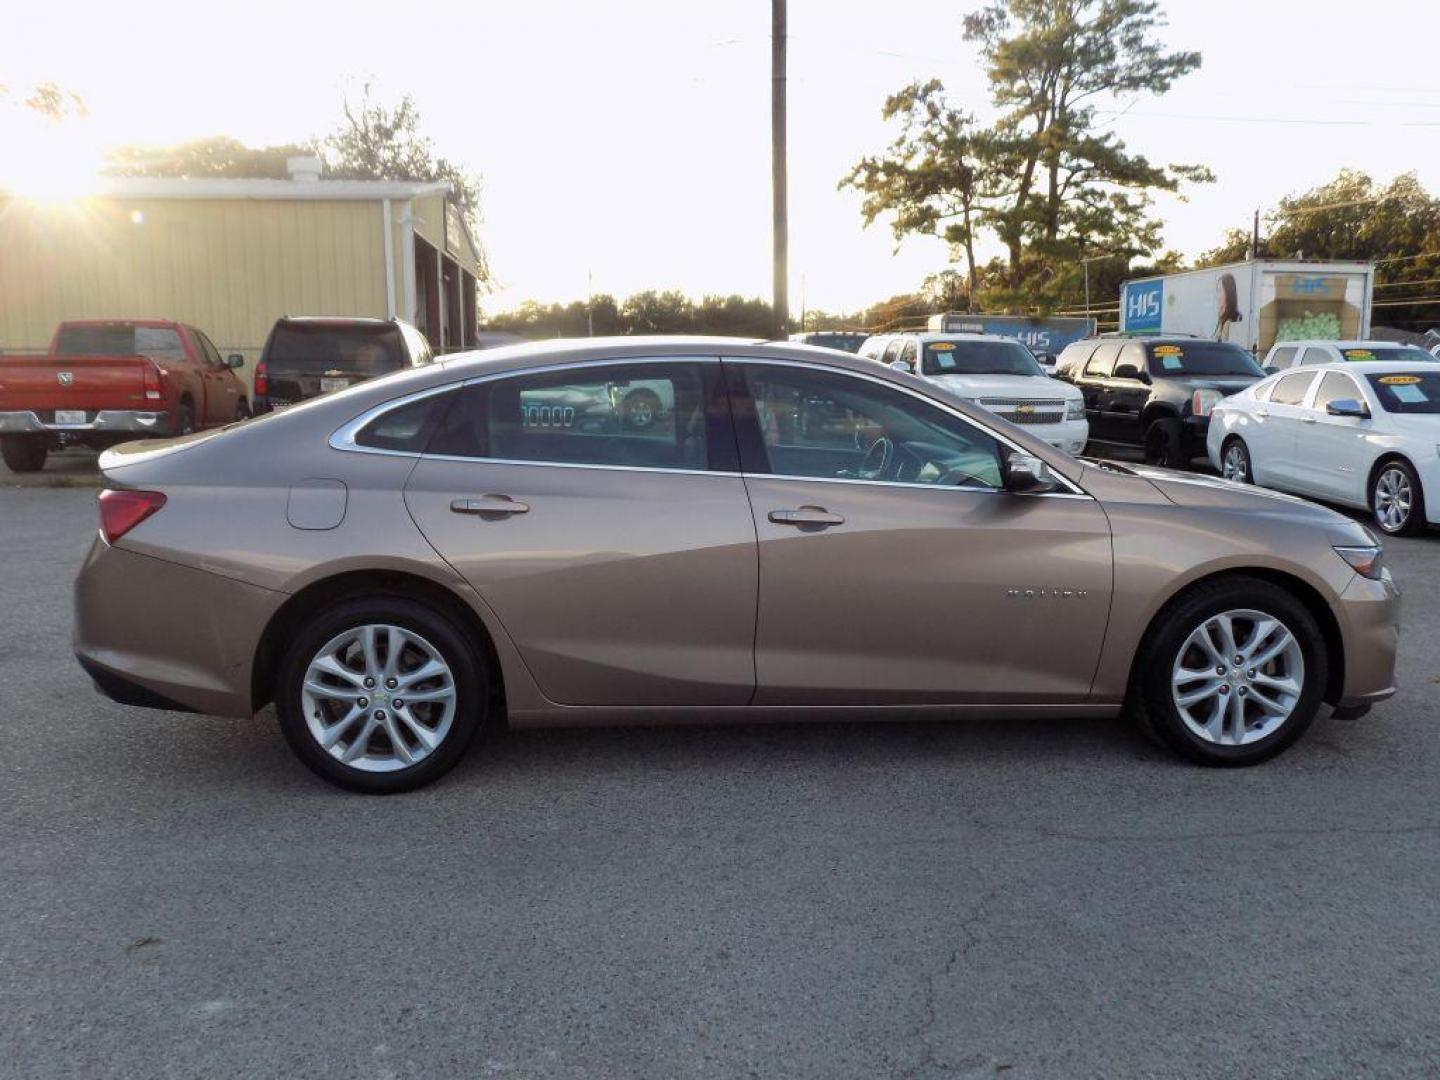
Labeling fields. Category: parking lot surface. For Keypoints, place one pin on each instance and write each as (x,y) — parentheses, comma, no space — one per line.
(179,897)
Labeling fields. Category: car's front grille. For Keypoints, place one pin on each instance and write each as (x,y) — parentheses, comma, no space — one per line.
(1026,410)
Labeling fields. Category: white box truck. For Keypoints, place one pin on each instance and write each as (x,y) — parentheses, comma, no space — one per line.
(1254,304)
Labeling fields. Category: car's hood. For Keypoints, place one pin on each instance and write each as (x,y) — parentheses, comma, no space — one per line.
(1039,387)
(1211,492)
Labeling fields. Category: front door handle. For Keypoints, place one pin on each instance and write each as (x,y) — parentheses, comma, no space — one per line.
(489,504)
(806,515)
(1308,419)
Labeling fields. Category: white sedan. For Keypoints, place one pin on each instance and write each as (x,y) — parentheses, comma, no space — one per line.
(1363,434)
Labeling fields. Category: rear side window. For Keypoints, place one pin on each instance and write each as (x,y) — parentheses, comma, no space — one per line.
(354,349)
(651,416)
(1281,359)
(1291,389)
(407,428)
(1103,361)
(1316,355)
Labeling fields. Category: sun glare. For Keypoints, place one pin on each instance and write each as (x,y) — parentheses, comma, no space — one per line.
(45,160)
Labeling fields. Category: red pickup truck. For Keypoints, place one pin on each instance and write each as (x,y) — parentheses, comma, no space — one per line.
(105,382)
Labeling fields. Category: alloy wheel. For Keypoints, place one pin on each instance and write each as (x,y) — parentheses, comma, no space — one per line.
(379,698)
(1236,464)
(1393,499)
(1238,677)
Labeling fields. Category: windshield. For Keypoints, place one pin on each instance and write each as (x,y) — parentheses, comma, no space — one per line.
(315,347)
(997,357)
(1201,358)
(1407,353)
(1408,392)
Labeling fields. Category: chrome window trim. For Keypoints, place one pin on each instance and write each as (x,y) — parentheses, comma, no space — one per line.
(343,438)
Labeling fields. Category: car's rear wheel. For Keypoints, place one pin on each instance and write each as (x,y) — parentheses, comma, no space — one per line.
(1231,673)
(1397,500)
(24,453)
(380,694)
(1235,461)
(185,419)
(1165,444)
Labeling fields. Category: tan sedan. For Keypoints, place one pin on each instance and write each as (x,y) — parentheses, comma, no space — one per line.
(794,533)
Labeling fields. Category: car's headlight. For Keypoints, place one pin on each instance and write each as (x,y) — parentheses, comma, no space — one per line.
(1365,561)
(1203,402)
(1075,409)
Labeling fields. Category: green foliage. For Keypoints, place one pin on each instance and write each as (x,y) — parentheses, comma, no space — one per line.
(1045,180)
(1352,217)
(648,312)
(217,156)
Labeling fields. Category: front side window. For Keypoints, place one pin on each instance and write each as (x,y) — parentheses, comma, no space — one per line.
(630,415)
(1291,389)
(1335,386)
(830,426)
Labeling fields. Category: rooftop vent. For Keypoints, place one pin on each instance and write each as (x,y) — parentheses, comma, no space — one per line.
(305,169)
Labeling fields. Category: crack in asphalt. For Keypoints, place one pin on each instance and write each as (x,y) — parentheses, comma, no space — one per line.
(969,927)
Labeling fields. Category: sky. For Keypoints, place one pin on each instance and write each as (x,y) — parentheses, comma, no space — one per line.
(625,145)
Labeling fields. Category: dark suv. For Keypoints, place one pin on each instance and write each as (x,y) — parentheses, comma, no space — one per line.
(306,356)
(1155,392)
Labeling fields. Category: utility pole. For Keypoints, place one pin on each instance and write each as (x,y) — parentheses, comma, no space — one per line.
(781,301)
(1255,237)
(589,303)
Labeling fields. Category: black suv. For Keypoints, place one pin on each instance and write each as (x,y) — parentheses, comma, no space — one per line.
(1155,392)
(306,356)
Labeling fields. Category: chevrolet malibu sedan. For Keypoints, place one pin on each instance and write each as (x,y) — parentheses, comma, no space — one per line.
(799,534)
(1362,434)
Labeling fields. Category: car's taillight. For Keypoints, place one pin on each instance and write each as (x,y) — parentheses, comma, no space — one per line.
(121,511)
(262,379)
(152,383)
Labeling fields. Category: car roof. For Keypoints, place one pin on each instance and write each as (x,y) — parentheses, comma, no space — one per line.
(337,320)
(1353,344)
(1365,367)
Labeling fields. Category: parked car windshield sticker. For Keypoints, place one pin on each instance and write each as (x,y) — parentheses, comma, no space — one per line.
(1359,354)
(943,346)
(1168,350)
(1399,380)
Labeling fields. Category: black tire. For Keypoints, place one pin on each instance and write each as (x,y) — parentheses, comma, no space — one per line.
(24,453)
(1165,444)
(459,651)
(640,410)
(184,419)
(1393,473)
(1235,457)
(1151,700)
(242,410)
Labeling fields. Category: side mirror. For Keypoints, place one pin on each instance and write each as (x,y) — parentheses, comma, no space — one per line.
(235,360)
(1347,407)
(1130,371)
(1026,474)
(900,365)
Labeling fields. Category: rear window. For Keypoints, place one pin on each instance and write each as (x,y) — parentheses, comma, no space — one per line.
(160,342)
(1201,358)
(353,349)
(1408,392)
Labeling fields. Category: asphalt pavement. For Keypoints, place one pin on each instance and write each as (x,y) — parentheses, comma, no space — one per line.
(179,897)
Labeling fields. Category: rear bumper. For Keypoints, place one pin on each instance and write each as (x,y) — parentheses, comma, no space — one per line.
(196,653)
(105,421)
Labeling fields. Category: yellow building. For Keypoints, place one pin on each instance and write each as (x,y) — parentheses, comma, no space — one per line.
(232,256)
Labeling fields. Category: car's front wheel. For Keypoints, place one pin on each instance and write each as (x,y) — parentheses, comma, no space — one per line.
(380,694)
(1231,673)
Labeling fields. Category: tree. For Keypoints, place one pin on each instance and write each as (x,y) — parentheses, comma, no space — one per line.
(1044,180)
(1397,226)
(215,156)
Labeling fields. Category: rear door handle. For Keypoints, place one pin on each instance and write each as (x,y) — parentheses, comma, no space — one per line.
(490,504)
(806,515)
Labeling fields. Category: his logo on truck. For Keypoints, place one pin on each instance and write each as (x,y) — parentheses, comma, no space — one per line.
(1143,303)
(65,378)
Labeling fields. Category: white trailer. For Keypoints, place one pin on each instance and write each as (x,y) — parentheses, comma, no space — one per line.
(1254,304)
